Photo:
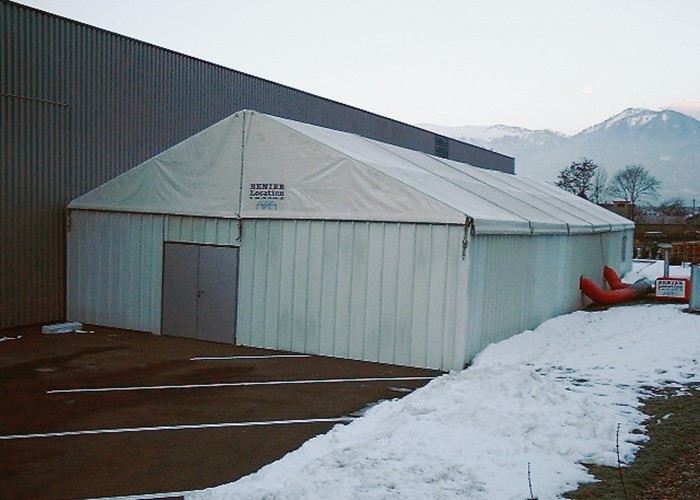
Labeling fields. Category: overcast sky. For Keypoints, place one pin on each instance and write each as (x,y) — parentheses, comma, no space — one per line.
(557,64)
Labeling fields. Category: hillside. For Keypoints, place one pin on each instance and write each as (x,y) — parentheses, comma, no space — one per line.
(666,142)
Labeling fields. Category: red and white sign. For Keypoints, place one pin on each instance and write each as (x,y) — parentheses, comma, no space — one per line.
(673,289)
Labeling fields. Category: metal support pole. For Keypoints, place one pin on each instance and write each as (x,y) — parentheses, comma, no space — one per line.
(694,303)
(666,247)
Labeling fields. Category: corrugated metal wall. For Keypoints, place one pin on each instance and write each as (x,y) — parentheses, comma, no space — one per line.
(34,143)
(517,282)
(115,263)
(79,105)
(387,292)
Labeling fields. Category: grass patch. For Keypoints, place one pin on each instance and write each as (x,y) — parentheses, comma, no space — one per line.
(668,465)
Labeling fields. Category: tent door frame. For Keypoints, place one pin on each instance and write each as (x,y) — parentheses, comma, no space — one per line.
(199,297)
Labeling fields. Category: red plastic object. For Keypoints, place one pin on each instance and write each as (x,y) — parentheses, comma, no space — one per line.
(600,296)
(613,279)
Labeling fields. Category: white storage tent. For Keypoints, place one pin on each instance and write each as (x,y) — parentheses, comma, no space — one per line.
(279,234)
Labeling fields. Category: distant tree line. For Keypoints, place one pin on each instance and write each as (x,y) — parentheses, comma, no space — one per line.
(633,183)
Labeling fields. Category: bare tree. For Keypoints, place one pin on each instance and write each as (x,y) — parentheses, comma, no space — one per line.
(599,186)
(634,183)
(577,177)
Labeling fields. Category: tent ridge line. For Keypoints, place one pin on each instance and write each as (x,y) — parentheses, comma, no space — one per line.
(378,144)
(363,163)
(520,190)
(491,175)
(543,186)
(567,207)
(240,183)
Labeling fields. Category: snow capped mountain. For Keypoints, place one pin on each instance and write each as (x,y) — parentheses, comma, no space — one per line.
(665,142)
(687,107)
(638,118)
(484,136)
(479,135)
(631,117)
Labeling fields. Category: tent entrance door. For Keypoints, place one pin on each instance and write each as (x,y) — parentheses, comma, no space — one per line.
(199,291)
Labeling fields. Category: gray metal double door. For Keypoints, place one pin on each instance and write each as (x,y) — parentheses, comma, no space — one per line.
(200,285)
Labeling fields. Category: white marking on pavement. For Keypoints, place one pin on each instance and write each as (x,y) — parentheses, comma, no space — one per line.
(217,425)
(149,496)
(271,356)
(234,384)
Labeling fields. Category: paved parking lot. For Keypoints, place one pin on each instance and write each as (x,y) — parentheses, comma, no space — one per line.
(126,413)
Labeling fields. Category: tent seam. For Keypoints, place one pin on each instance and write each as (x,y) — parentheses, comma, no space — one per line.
(365,164)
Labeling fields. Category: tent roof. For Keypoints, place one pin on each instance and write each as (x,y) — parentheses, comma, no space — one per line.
(252,165)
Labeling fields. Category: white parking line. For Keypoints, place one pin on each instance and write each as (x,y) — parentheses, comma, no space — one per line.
(148,496)
(234,384)
(218,425)
(270,356)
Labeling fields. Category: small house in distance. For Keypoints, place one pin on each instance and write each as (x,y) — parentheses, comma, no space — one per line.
(267,232)
(621,207)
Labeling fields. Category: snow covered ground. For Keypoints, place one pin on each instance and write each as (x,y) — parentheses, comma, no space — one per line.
(653,269)
(548,399)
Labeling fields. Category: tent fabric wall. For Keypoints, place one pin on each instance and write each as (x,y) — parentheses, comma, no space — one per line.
(115,263)
(387,292)
(114,269)
(517,282)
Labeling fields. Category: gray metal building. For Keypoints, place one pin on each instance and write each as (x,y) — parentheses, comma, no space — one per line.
(80,105)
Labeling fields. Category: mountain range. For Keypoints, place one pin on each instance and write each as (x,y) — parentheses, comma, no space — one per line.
(666,142)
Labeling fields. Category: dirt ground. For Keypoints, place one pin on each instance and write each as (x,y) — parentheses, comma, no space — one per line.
(127,456)
(667,467)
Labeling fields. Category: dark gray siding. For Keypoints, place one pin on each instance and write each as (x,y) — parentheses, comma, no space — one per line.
(80,105)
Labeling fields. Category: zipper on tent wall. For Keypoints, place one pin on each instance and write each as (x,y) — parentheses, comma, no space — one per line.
(240,183)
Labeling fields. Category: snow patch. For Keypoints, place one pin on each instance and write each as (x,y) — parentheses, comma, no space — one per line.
(551,397)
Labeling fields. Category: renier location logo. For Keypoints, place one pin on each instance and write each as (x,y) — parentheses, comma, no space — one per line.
(267,191)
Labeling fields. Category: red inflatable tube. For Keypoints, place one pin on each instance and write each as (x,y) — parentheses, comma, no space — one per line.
(613,279)
(600,296)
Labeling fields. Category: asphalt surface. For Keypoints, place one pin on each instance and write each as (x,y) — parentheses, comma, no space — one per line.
(60,438)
